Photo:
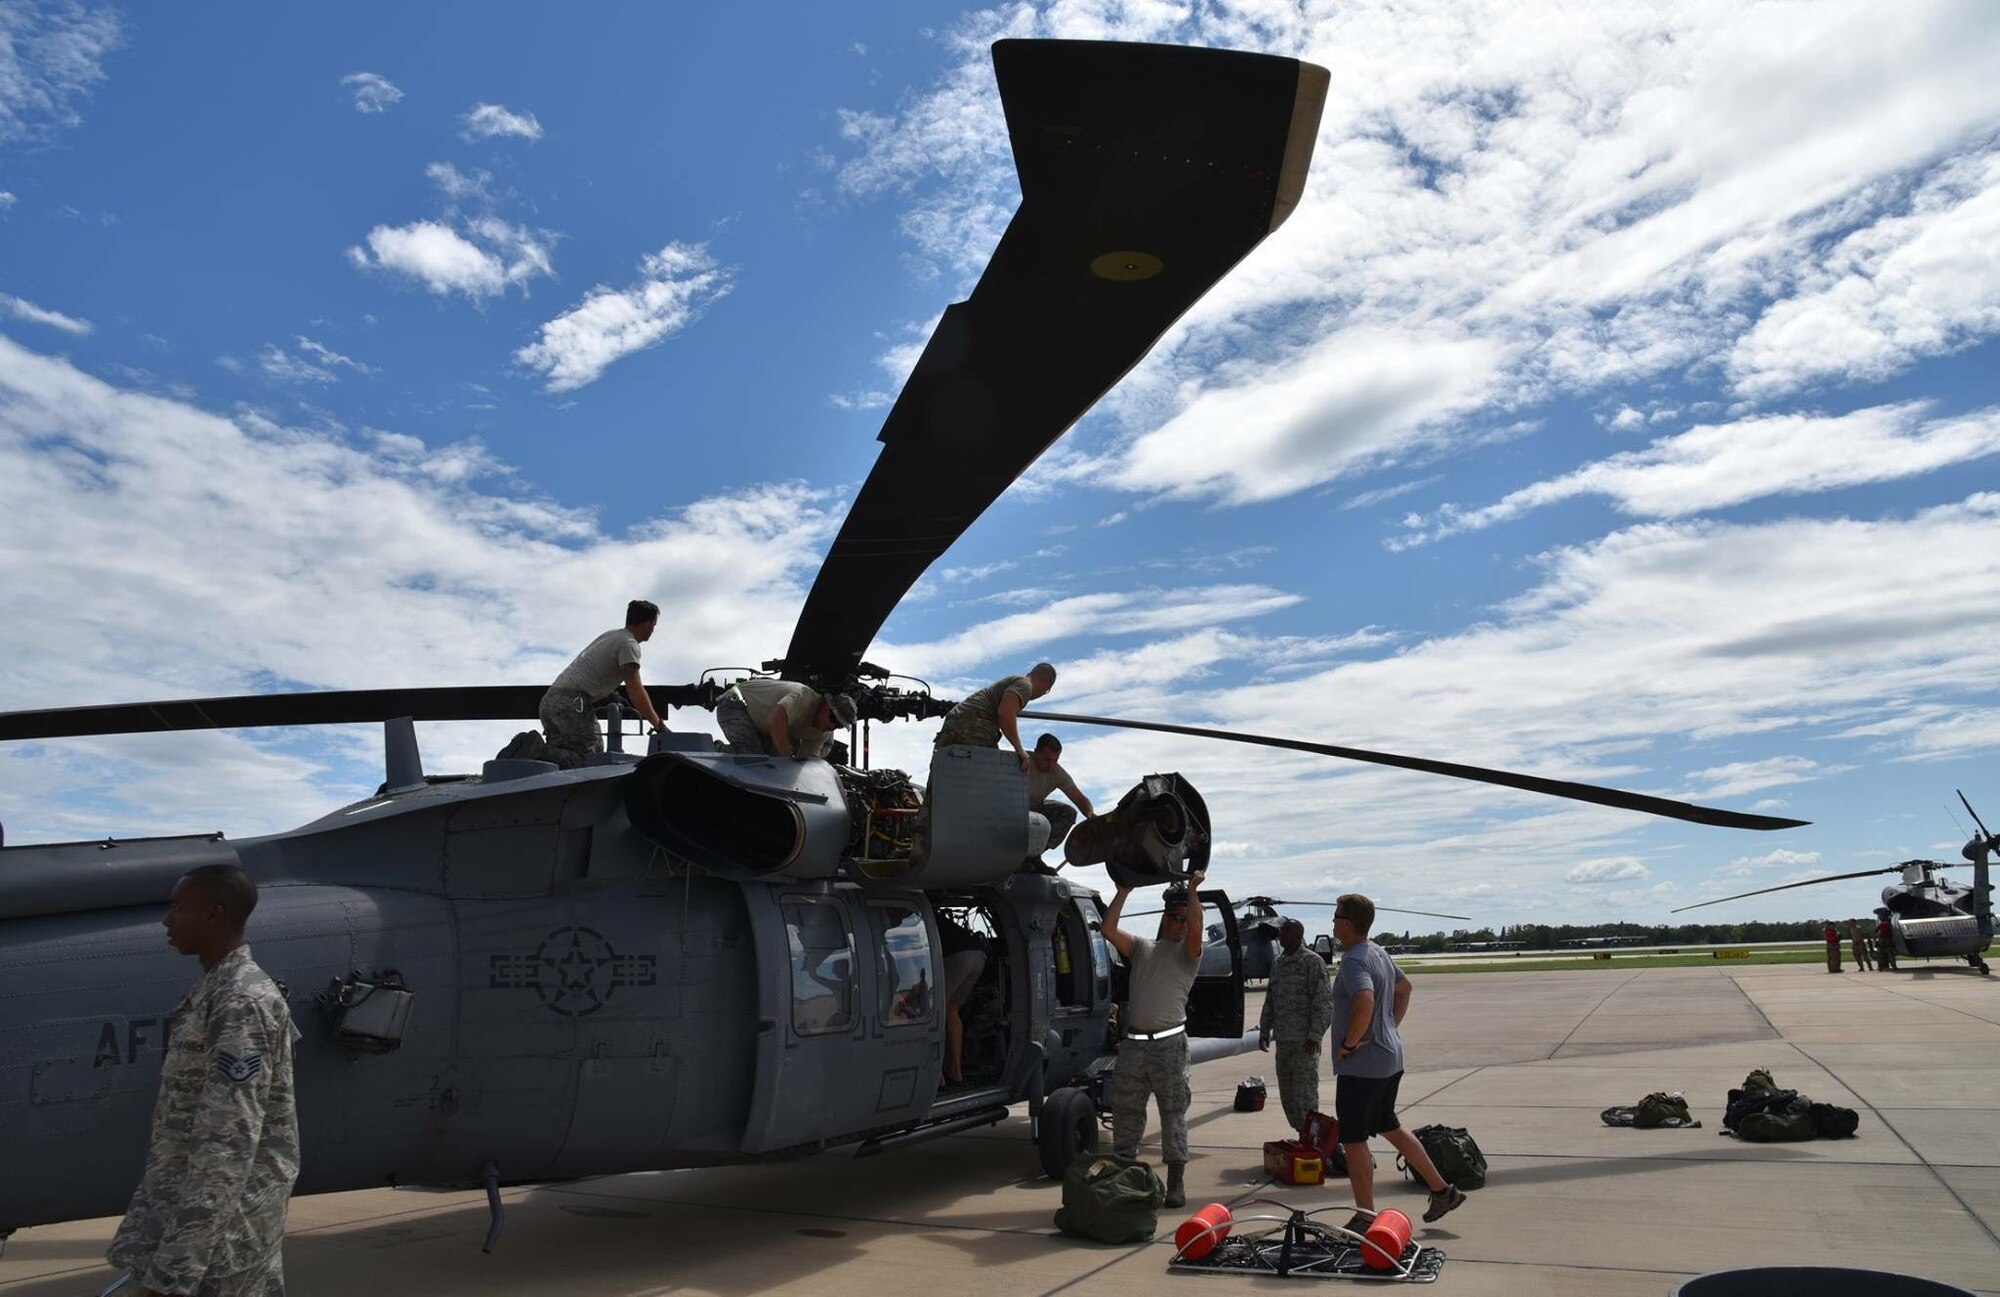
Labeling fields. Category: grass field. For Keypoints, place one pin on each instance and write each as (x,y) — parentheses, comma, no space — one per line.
(1528,964)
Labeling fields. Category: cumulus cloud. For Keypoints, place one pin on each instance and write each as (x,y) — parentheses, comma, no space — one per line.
(486,121)
(174,549)
(676,285)
(7,200)
(373,93)
(51,58)
(487,257)
(23,309)
(1717,465)
(1609,869)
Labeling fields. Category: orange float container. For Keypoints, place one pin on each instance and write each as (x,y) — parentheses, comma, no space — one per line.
(1199,1233)
(1388,1234)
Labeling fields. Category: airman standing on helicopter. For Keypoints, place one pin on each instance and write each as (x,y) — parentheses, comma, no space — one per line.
(1153,1056)
(591,677)
(985,716)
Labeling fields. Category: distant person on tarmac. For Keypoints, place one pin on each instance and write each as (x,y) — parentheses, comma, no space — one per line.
(1885,942)
(1298,1009)
(1371,996)
(1832,947)
(569,708)
(1862,964)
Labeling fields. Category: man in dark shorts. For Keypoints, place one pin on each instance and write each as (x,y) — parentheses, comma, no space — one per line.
(1370,997)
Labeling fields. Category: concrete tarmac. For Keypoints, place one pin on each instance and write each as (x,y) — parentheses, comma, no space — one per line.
(1523,1060)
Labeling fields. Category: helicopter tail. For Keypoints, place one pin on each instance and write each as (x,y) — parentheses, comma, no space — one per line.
(1980,852)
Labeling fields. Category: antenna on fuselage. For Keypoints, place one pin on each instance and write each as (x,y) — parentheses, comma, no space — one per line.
(402,763)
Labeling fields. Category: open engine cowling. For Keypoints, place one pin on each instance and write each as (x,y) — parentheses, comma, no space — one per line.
(1157,833)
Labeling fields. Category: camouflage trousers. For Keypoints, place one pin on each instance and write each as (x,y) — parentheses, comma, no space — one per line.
(571,725)
(1151,1069)
(1061,820)
(739,732)
(267,1280)
(1298,1080)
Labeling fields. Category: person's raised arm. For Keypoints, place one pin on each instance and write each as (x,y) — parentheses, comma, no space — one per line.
(1121,940)
(1196,930)
(1400,1005)
(640,700)
(1010,709)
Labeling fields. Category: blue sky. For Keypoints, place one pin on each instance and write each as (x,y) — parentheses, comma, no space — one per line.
(1618,405)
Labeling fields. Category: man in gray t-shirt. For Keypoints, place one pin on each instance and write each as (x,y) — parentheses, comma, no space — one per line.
(568,709)
(1153,1056)
(1370,997)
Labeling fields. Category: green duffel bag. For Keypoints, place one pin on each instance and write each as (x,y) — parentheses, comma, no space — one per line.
(1662,1109)
(1455,1154)
(1776,1127)
(1111,1199)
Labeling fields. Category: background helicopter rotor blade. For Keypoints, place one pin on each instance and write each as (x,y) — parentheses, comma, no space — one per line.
(1507,779)
(1146,173)
(1974,814)
(333,707)
(1809,882)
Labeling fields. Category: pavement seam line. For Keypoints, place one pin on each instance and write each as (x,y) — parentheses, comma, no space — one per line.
(1947,1185)
(1901,994)
(1602,1001)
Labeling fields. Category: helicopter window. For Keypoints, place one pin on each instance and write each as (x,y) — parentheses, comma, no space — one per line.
(822,966)
(909,974)
(1100,950)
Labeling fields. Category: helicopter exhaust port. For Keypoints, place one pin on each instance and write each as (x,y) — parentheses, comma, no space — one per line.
(1157,833)
(741,817)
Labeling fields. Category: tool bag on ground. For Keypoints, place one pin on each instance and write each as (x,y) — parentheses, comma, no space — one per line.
(1832,1122)
(1775,1127)
(1659,1109)
(1455,1154)
(1110,1199)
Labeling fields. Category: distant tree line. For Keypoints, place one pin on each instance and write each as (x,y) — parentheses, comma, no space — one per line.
(1543,936)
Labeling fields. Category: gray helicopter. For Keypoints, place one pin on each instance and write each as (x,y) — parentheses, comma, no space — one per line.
(1258,919)
(1929,915)
(683,957)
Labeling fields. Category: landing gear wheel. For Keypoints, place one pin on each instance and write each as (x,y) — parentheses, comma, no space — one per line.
(1068,1130)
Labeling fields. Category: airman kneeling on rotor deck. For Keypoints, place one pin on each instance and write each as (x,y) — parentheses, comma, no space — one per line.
(1153,1056)
(780,718)
(208,1217)
(568,708)
(985,716)
(1046,776)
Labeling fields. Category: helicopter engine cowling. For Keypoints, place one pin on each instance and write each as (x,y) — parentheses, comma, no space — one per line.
(1158,833)
(742,817)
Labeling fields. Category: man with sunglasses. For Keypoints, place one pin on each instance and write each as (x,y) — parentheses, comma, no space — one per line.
(1153,1055)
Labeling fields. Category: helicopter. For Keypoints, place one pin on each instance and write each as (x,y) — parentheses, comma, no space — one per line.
(686,957)
(1257,923)
(1929,916)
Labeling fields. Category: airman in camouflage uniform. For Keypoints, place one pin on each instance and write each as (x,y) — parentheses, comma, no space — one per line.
(208,1217)
(1153,1056)
(1298,1008)
(985,716)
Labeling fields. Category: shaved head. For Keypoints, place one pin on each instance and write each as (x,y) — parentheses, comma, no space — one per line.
(227,886)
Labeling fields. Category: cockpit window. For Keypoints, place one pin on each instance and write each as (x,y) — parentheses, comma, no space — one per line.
(909,973)
(822,950)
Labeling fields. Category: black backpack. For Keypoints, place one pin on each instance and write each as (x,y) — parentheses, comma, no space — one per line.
(1742,1103)
(1455,1154)
(1833,1123)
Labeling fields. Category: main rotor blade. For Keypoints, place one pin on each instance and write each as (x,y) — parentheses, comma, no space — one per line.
(1974,814)
(334,707)
(1507,779)
(1384,909)
(1781,887)
(1146,171)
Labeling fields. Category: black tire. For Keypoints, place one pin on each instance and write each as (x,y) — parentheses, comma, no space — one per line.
(1068,1130)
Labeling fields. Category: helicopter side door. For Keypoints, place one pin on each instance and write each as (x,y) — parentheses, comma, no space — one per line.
(1215,1005)
(848,1032)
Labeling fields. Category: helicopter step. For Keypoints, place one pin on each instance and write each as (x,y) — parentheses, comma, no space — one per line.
(932,1130)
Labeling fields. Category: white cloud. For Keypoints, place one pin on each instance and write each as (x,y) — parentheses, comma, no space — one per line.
(372,93)
(1609,869)
(489,257)
(184,553)
(457,184)
(23,309)
(7,200)
(1907,286)
(485,121)
(677,284)
(51,56)
(1715,466)
(282,365)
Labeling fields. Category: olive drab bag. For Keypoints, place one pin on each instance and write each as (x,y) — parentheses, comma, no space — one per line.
(1110,1199)
(1776,1127)
(1662,1109)
(1455,1154)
